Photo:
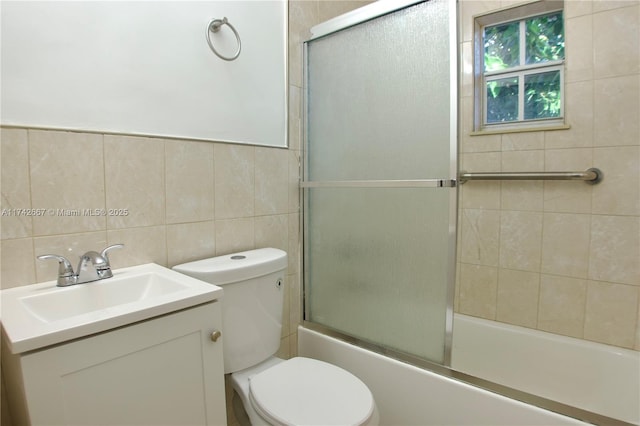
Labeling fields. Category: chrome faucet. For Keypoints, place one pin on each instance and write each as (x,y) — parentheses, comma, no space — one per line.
(93,266)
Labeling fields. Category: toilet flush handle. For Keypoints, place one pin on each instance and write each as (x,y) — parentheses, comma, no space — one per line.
(215,335)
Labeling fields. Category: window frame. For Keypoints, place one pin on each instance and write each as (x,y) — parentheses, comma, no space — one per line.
(503,16)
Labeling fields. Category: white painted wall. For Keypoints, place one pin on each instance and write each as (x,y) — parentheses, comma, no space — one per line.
(145,68)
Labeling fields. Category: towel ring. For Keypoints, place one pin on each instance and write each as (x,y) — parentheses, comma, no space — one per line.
(214,26)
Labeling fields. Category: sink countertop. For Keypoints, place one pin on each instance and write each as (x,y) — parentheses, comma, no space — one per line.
(34,316)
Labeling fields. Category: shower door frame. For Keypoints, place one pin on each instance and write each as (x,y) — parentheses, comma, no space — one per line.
(450,182)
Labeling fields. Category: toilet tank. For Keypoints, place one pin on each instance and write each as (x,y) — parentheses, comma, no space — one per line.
(253,284)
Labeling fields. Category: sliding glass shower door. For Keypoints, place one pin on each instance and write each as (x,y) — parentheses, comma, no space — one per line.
(379,185)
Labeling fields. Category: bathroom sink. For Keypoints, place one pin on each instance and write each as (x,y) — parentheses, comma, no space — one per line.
(43,314)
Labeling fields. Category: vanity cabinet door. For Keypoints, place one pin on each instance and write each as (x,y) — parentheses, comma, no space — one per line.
(164,371)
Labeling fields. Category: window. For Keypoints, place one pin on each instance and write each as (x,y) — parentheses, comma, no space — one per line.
(520,67)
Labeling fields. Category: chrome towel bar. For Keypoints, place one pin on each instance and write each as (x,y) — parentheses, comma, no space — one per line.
(591,176)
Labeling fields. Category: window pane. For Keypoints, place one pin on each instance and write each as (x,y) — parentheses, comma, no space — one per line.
(542,95)
(501,46)
(502,100)
(545,38)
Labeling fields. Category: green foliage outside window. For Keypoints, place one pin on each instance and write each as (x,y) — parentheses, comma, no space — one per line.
(543,42)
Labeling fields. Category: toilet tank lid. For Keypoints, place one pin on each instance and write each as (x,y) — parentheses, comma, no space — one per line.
(221,270)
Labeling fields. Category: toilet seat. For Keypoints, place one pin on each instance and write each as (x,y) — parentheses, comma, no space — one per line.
(304,391)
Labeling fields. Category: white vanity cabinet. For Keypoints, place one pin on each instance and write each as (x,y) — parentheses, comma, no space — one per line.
(166,370)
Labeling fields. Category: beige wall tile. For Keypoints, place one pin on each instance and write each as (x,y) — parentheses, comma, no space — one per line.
(302,16)
(520,240)
(617,108)
(294,251)
(295,118)
(611,313)
(528,141)
(137,164)
(63,186)
(15,188)
(71,246)
(234,181)
(615,249)
(141,245)
(271,181)
(480,237)
(518,297)
(478,290)
(189,181)
(234,235)
(637,346)
(579,48)
(616,49)
(575,8)
(579,115)
(190,241)
(565,244)
(331,9)
(481,194)
(567,197)
(469,9)
(466,70)
(518,195)
(18,263)
(295,167)
(272,231)
(562,305)
(619,192)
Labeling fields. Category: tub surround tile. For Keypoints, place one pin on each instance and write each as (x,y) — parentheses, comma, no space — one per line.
(189,181)
(531,141)
(520,240)
(518,297)
(579,101)
(187,242)
(480,237)
(615,53)
(135,163)
(579,36)
(15,182)
(481,194)
(611,313)
(619,192)
(562,305)
(565,244)
(478,290)
(615,249)
(64,187)
(568,197)
(617,108)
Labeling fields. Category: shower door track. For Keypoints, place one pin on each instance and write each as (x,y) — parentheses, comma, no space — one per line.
(406,183)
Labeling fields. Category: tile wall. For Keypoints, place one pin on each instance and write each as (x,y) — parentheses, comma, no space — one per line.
(562,257)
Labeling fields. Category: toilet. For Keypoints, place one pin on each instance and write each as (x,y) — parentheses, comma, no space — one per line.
(273,391)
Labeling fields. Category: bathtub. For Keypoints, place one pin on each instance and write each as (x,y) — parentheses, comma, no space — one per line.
(409,395)
(599,378)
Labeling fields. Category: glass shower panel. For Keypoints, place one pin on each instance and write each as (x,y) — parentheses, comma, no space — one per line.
(379,212)
(378,267)
(379,100)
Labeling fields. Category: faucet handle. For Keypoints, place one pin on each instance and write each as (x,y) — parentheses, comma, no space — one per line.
(66,277)
(64,267)
(105,253)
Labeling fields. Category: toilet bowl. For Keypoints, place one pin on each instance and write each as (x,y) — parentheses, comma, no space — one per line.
(303,391)
(297,391)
